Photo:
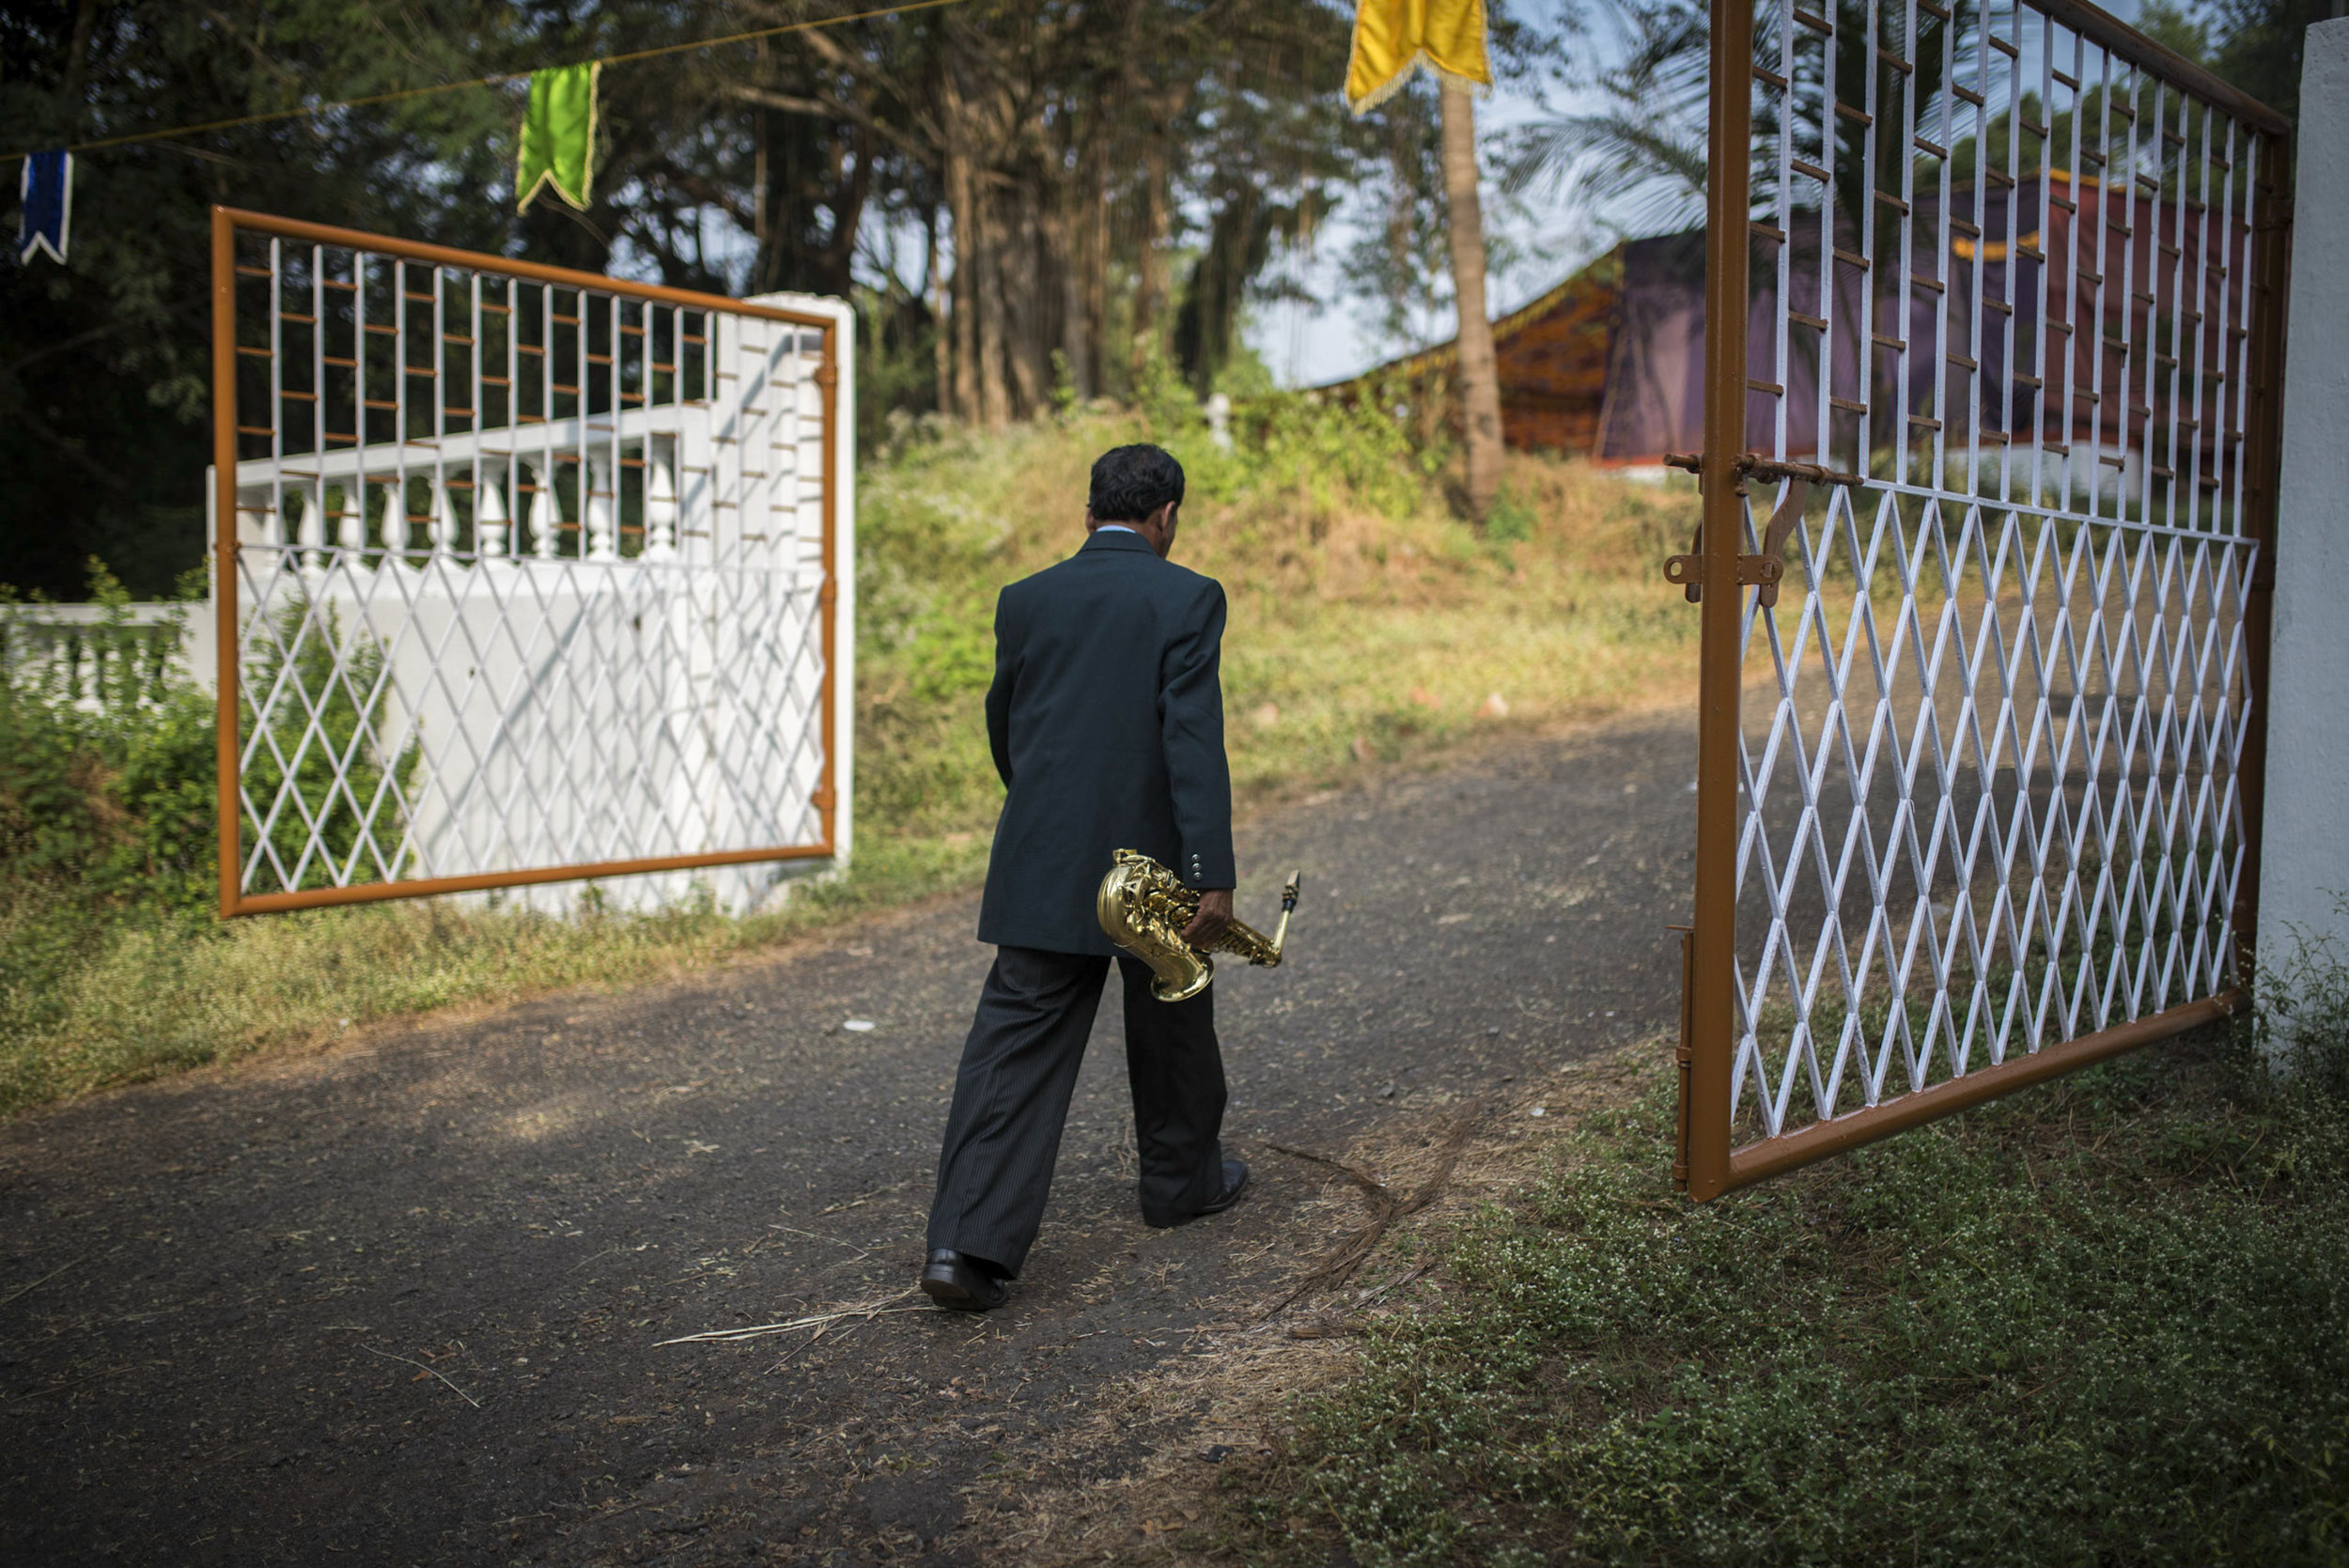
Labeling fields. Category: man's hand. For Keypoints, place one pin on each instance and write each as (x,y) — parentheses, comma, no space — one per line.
(1214,918)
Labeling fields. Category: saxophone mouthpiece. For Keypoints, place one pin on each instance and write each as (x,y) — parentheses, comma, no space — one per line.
(1289,894)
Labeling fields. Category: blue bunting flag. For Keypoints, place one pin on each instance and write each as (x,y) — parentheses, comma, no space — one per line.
(48,197)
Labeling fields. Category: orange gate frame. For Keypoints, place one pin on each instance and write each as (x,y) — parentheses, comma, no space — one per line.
(1707,1164)
(227,223)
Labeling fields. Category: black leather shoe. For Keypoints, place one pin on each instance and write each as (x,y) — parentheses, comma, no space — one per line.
(955,1283)
(1234,1182)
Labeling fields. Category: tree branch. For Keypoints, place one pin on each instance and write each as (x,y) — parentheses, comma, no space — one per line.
(769,99)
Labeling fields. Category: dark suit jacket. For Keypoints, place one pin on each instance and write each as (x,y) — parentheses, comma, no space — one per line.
(1107,721)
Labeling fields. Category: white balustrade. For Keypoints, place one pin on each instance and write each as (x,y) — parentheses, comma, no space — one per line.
(489,519)
(98,657)
(442,528)
(546,516)
(603,539)
(310,528)
(660,510)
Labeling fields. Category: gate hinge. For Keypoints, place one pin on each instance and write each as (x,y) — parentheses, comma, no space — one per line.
(822,800)
(826,376)
(1754,571)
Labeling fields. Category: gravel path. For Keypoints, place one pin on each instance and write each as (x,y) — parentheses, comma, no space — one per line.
(400,1302)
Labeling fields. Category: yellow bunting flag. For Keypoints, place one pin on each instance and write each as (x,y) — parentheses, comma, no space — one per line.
(1392,36)
(558,142)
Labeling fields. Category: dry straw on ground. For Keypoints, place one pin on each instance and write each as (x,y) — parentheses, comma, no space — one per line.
(1264,1356)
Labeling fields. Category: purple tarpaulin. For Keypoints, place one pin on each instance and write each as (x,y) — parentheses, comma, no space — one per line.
(2146,251)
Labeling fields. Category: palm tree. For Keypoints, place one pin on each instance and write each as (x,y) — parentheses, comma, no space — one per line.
(1479,376)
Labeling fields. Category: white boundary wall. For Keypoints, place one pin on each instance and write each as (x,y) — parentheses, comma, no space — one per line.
(765,878)
(2304,865)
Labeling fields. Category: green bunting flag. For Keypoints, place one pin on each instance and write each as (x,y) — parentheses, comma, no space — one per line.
(558,141)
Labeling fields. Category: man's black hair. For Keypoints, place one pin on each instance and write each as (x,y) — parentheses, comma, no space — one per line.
(1131,482)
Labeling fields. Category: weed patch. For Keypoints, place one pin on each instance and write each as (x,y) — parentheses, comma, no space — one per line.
(2102,1321)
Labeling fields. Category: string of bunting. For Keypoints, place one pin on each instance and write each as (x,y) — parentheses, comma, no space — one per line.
(555,149)
(1394,37)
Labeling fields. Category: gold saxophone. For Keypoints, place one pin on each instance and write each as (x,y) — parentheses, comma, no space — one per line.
(1142,907)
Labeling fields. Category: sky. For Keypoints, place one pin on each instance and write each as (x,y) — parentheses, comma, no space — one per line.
(1308,345)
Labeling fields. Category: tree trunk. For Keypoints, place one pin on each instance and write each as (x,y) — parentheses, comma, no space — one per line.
(1022,295)
(994,409)
(1097,273)
(1076,341)
(1480,377)
(762,237)
(962,205)
(941,319)
(763,248)
(77,56)
(1150,261)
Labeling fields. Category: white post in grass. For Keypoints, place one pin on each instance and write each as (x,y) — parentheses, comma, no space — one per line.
(2304,852)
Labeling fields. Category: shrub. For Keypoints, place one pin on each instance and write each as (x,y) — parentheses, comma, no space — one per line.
(2301,1028)
(115,805)
(344,818)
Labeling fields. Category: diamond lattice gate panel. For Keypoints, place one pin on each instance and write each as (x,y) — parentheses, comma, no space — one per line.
(1993,328)
(526,575)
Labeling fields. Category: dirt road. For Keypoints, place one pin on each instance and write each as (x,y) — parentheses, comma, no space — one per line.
(401,1301)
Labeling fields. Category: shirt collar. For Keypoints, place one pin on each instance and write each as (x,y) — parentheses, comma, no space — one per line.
(1110,536)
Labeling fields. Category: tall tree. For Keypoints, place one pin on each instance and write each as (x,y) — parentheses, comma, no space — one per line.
(1480,375)
(104,363)
(1456,40)
(1050,163)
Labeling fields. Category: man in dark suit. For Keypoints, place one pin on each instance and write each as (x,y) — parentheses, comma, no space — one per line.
(1106,717)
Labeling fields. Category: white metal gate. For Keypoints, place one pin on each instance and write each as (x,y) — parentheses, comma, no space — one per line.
(1994,329)
(525,575)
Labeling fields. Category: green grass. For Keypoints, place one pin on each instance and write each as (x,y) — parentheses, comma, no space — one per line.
(1368,626)
(93,1002)
(1367,623)
(2106,1322)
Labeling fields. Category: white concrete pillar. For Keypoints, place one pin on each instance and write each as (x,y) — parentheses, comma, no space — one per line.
(2304,863)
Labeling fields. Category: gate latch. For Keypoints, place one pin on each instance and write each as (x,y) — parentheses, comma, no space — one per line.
(1761,572)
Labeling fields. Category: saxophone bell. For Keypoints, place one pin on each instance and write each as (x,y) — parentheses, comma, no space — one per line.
(1144,907)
